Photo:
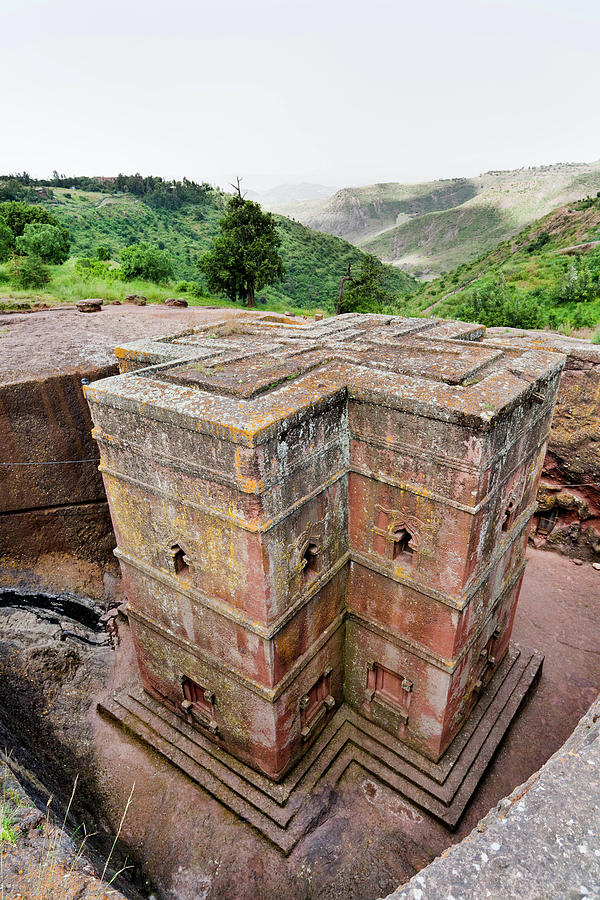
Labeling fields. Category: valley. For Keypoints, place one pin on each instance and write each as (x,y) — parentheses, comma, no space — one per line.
(428,228)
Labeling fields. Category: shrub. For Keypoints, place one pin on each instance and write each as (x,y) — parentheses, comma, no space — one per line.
(29,272)
(583,317)
(102,253)
(49,242)
(7,240)
(145,261)
(17,215)
(88,267)
(540,241)
(493,303)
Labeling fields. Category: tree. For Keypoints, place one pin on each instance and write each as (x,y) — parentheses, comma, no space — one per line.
(145,261)
(341,304)
(17,215)
(7,240)
(49,242)
(369,291)
(28,271)
(245,256)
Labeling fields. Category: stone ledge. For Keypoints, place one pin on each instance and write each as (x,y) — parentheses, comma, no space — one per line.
(543,840)
(285,812)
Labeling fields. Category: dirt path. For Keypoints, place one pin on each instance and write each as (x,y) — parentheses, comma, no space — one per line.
(450,293)
(587,245)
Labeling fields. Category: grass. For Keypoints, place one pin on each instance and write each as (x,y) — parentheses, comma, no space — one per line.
(66,286)
(314,262)
(7,823)
(50,877)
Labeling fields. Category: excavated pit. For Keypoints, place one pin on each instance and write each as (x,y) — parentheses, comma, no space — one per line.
(181,838)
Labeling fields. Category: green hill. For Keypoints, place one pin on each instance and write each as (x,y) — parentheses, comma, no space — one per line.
(431,227)
(114,219)
(546,275)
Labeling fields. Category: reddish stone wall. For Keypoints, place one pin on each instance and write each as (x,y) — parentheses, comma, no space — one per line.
(55,527)
(285,481)
(568,515)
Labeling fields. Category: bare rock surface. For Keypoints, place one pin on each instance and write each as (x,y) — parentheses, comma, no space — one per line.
(570,489)
(540,841)
(59,341)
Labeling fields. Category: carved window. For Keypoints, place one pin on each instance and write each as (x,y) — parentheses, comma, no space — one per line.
(310,562)
(199,705)
(180,563)
(198,696)
(396,536)
(547,521)
(402,552)
(508,516)
(388,686)
(315,705)
(309,704)
(487,660)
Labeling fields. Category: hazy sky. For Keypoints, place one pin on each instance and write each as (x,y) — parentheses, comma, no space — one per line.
(318,90)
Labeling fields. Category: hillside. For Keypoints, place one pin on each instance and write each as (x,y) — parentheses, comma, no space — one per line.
(314,262)
(289,194)
(431,227)
(546,275)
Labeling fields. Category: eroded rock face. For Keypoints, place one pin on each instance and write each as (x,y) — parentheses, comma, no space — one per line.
(58,516)
(568,518)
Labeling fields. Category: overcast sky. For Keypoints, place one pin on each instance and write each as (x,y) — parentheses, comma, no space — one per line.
(334,91)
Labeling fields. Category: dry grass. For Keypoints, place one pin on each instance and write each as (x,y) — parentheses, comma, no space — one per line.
(51,871)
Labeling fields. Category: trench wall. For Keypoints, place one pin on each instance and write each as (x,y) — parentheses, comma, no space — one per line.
(55,527)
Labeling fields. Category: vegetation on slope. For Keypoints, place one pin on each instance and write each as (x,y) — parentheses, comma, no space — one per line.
(185,227)
(548,275)
(431,227)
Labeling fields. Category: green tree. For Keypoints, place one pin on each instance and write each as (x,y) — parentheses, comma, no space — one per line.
(49,242)
(369,290)
(145,261)
(7,240)
(245,256)
(17,215)
(494,303)
(28,271)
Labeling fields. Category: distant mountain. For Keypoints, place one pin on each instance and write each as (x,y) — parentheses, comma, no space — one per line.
(279,198)
(430,227)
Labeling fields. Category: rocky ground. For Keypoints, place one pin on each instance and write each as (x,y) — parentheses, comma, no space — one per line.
(41,857)
(541,841)
(183,844)
(85,340)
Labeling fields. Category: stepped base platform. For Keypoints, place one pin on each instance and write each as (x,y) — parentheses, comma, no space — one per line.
(284,812)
